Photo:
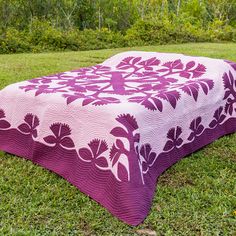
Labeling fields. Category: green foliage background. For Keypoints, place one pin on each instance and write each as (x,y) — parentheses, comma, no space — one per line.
(46,25)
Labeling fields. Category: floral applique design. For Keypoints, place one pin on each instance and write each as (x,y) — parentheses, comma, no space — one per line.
(149,83)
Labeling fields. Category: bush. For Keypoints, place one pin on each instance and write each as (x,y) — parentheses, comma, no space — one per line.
(220,31)
(98,39)
(43,36)
(162,32)
(13,41)
(149,32)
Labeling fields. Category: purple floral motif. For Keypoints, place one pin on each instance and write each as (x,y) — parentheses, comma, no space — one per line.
(230,93)
(128,63)
(148,157)
(177,67)
(196,127)
(30,125)
(118,149)
(148,64)
(61,133)
(150,102)
(172,96)
(128,162)
(44,81)
(92,71)
(198,71)
(173,65)
(42,89)
(94,153)
(3,123)
(154,102)
(233,64)
(97,68)
(98,101)
(129,122)
(144,81)
(174,139)
(218,118)
(192,87)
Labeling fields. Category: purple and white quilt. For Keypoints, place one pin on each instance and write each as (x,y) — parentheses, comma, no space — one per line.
(112,129)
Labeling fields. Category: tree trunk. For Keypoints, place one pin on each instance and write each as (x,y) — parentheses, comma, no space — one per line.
(178,7)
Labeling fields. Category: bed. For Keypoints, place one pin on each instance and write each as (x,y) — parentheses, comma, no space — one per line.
(113,128)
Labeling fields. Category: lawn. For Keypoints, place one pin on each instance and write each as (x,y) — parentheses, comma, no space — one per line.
(197,196)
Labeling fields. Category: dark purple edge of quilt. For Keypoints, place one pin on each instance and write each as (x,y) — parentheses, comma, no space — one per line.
(130,205)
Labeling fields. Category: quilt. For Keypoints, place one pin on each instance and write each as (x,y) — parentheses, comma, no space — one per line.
(113,128)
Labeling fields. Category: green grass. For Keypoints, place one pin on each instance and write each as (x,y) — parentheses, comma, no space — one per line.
(197,196)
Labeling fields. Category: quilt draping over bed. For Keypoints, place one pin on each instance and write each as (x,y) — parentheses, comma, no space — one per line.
(113,128)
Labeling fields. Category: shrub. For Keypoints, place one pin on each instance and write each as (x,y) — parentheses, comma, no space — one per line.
(220,31)
(149,32)
(43,36)
(13,41)
(162,32)
(98,39)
